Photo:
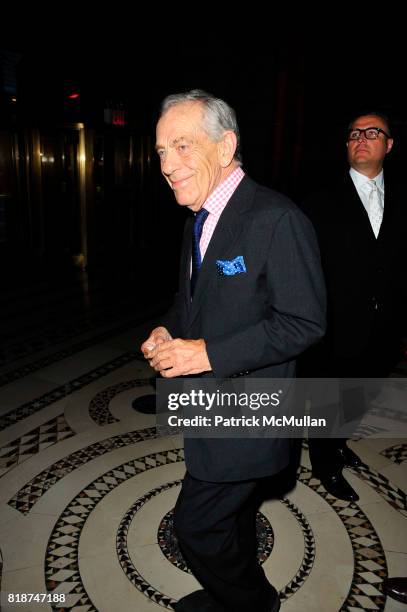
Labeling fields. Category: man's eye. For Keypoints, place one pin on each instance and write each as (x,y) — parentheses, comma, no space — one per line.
(183,148)
(160,153)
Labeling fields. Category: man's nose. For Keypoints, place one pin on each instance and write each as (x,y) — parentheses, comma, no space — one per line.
(169,163)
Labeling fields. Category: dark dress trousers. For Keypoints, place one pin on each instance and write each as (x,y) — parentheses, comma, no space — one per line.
(366,285)
(255,324)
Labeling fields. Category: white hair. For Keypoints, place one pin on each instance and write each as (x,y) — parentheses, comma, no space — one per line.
(218,116)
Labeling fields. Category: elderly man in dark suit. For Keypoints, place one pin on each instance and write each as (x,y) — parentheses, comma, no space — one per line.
(251,298)
(361,229)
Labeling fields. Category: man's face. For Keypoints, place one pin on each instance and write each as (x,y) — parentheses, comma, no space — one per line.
(365,155)
(189,159)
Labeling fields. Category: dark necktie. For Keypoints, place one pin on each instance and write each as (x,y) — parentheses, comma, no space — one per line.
(200,218)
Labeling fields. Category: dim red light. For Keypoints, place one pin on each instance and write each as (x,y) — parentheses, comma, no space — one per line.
(118,117)
(73,96)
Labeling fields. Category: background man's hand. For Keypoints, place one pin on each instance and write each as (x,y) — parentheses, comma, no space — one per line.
(180,357)
(157,337)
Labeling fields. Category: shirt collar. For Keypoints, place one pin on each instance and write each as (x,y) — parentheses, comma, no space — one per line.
(361,180)
(220,196)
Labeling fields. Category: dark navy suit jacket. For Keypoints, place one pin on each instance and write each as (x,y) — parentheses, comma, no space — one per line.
(254,323)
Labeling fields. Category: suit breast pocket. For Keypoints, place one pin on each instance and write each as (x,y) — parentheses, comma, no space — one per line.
(238,287)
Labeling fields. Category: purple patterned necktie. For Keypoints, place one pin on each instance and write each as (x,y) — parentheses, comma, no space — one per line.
(200,218)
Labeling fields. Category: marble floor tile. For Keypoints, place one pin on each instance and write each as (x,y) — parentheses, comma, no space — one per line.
(36,419)
(397,564)
(24,542)
(25,580)
(56,498)
(309,500)
(15,394)
(78,364)
(84,516)
(397,474)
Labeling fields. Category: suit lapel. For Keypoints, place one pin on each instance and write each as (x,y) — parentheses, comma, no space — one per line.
(227,232)
(390,202)
(356,213)
(390,206)
(185,263)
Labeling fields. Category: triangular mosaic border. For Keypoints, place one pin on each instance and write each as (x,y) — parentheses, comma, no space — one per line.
(370,563)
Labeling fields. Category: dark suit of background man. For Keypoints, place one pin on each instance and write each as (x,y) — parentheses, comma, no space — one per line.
(253,323)
(361,225)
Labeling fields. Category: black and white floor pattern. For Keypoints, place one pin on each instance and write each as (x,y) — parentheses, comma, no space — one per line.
(88,490)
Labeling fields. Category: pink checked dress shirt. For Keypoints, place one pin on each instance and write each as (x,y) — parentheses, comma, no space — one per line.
(215,205)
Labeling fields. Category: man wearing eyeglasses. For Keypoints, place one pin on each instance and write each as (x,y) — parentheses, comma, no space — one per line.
(361,227)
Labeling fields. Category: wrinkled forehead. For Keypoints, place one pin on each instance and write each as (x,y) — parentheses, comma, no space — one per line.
(185,117)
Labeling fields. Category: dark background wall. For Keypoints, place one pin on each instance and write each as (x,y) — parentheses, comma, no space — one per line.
(293,103)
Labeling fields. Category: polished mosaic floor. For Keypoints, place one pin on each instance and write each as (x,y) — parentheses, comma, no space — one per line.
(88,489)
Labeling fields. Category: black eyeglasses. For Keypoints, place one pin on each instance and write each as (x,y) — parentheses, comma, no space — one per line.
(371,133)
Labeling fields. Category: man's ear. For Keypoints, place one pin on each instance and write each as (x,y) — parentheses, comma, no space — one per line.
(390,142)
(227,148)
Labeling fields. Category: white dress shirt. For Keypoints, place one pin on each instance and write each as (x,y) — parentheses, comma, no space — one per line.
(363,187)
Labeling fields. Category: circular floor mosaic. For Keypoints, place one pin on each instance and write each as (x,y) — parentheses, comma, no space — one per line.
(168,543)
(171,551)
(62,551)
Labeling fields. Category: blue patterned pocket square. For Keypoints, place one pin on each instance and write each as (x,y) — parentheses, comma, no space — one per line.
(229,268)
